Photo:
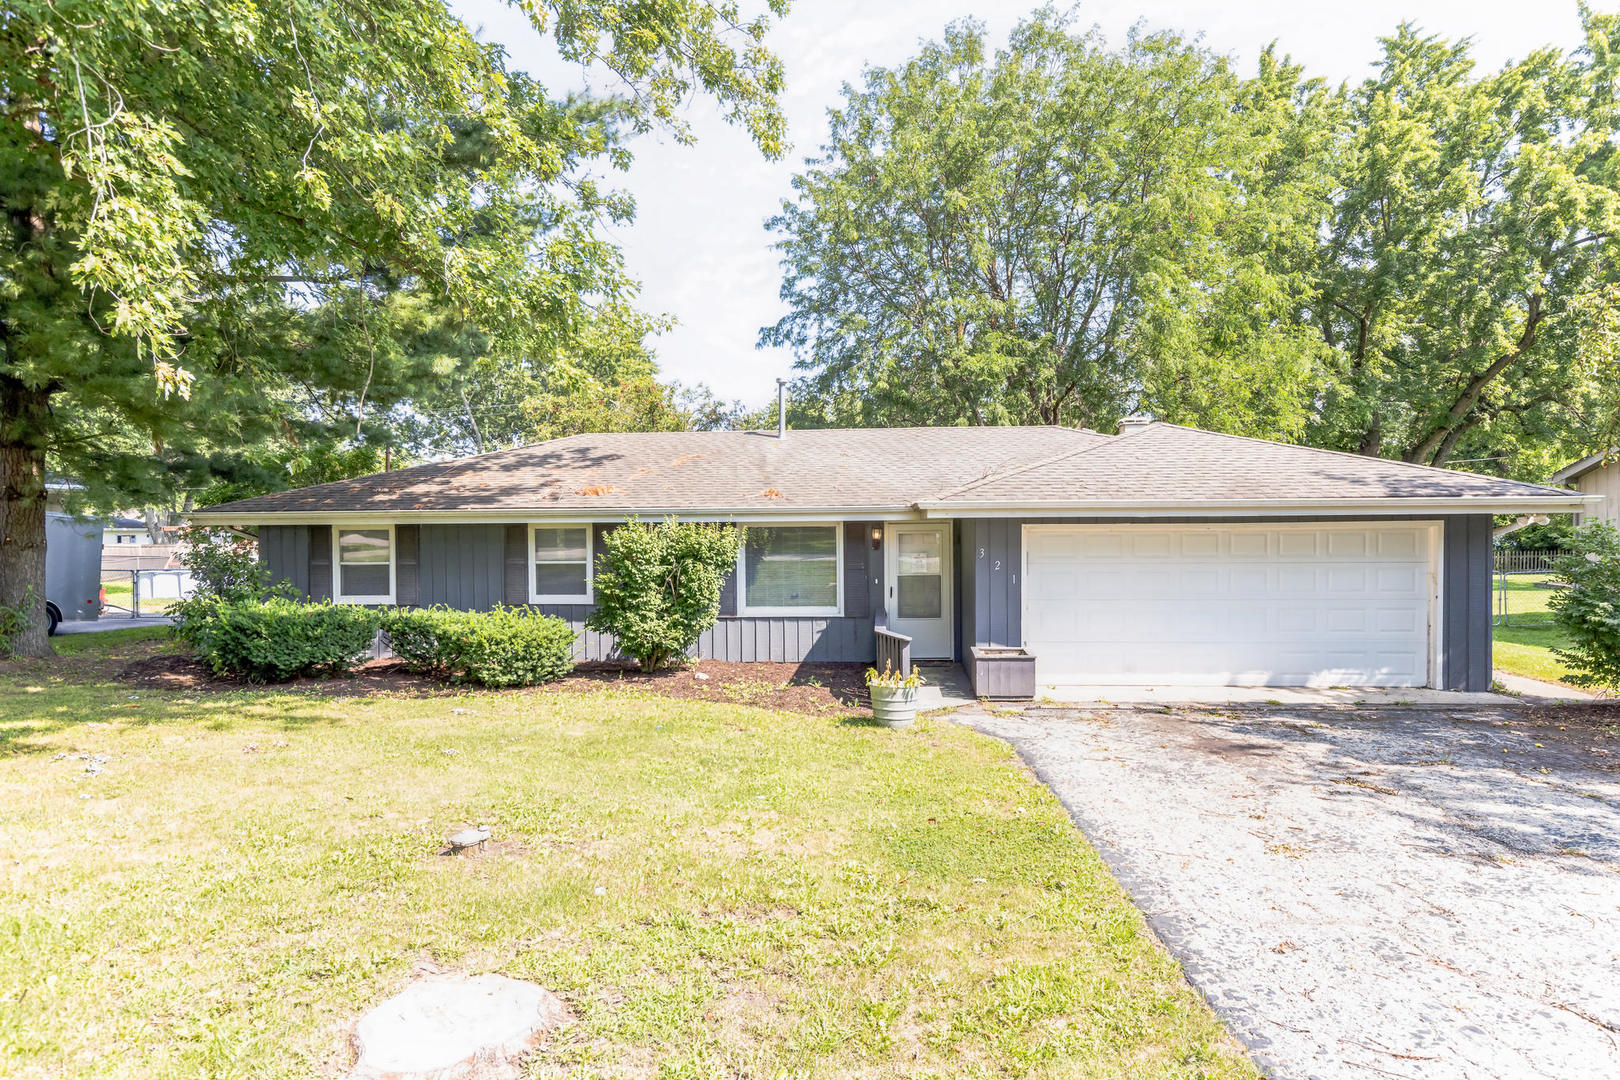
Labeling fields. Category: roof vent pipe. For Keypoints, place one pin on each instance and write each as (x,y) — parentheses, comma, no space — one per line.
(1132,424)
(781,408)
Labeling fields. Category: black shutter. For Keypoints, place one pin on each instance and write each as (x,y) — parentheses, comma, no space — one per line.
(407,580)
(515,585)
(320,562)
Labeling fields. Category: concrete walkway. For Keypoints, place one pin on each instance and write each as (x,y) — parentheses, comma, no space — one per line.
(114,622)
(948,687)
(1362,696)
(945,686)
(1536,692)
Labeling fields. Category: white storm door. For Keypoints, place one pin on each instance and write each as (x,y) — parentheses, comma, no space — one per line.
(917,567)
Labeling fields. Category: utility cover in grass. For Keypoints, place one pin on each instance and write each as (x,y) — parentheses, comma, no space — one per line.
(455,1028)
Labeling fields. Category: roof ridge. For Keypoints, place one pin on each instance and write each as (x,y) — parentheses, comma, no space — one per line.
(1361,457)
(1102,440)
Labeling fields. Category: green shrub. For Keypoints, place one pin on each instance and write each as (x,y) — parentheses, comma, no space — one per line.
(1589,610)
(504,647)
(224,567)
(658,585)
(278,638)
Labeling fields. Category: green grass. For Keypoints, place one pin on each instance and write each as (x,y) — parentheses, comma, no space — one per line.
(1524,646)
(781,895)
(109,643)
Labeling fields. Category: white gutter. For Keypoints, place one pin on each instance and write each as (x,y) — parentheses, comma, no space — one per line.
(1502,504)
(575,513)
(1126,508)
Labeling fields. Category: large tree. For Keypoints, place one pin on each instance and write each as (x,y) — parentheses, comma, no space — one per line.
(1014,238)
(1419,266)
(172,176)
(1469,250)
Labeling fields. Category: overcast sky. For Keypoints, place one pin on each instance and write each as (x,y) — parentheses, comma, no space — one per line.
(699,246)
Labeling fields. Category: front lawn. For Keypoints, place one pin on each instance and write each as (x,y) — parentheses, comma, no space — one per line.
(216,884)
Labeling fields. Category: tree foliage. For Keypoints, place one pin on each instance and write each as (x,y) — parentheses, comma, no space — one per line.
(206,205)
(1419,266)
(1017,237)
(1588,611)
(1469,246)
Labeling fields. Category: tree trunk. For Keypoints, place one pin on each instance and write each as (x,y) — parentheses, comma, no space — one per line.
(22,513)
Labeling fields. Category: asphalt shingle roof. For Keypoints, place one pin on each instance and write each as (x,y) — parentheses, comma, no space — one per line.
(695,470)
(879,469)
(1174,463)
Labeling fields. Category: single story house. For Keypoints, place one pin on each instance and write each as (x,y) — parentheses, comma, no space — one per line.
(126,530)
(1598,474)
(1160,555)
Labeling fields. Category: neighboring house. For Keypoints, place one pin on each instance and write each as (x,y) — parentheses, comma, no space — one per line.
(126,530)
(1164,555)
(1595,475)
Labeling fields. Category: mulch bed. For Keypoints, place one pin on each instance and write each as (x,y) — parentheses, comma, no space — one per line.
(813,688)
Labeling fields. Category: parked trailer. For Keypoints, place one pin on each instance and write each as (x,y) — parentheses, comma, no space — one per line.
(72,569)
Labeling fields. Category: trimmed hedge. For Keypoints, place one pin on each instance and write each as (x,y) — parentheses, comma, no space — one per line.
(503,647)
(278,638)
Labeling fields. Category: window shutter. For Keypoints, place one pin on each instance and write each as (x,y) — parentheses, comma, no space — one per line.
(320,562)
(407,580)
(856,550)
(515,586)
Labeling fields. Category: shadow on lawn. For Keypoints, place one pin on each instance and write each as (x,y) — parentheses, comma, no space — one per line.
(146,678)
(29,713)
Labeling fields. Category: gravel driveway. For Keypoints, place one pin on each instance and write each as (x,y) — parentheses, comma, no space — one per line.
(1366,893)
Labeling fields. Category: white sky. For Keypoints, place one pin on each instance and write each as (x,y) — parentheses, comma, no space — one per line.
(699,245)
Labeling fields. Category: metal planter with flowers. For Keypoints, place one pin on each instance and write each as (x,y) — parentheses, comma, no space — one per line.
(894,696)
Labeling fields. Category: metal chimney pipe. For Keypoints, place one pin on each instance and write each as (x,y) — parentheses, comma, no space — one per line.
(781,408)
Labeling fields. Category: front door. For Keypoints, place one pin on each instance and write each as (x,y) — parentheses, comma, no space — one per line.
(918,600)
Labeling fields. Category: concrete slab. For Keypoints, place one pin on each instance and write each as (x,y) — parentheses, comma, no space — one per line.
(947,687)
(111,622)
(1359,696)
(1534,691)
(451,1027)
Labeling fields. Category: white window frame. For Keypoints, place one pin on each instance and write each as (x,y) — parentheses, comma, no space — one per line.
(743,608)
(589,595)
(338,596)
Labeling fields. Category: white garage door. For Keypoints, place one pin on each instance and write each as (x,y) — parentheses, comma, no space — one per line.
(1231,605)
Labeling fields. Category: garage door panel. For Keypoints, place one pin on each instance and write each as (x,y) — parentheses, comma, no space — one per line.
(1404,544)
(1245,606)
(1255,545)
(1344,544)
(1200,544)
(1401,580)
(1292,545)
(1250,580)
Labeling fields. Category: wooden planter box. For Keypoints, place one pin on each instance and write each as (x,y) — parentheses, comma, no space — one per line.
(1002,673)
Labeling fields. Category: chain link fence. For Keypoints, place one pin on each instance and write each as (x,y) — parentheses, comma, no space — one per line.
(1523,585)
(136,584)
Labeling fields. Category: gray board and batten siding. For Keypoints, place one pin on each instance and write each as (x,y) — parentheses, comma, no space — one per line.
(476,567)
(992,604)
(479,566)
